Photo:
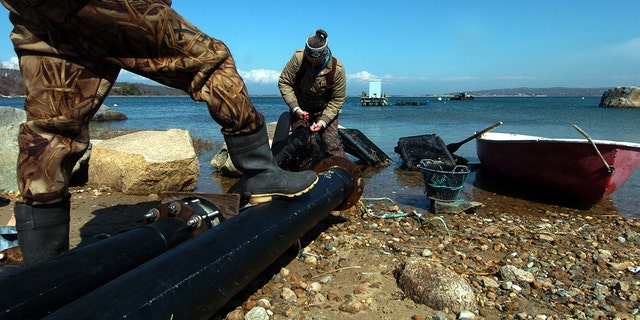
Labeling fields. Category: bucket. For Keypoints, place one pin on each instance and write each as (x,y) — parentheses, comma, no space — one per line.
(443,181)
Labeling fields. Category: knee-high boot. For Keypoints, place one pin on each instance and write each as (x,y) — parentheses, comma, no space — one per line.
(261,176)
(43,231)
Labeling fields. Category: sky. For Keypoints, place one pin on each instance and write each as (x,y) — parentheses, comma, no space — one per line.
(424,47)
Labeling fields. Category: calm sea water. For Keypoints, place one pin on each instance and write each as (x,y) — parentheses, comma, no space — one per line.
(453,121)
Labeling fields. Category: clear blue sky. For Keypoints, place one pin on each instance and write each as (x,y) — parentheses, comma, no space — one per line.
(423,47)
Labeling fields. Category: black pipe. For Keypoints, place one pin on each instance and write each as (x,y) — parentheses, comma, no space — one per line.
(195,279)
(36,291)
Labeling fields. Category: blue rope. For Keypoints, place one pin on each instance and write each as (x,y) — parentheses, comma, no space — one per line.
(423,221)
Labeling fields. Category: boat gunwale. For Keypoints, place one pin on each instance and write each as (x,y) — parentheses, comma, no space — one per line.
(517,138)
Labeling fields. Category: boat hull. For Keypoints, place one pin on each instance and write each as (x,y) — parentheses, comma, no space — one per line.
(569,166)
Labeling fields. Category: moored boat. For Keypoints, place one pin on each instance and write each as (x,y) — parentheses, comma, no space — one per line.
(583,169)
(462,96)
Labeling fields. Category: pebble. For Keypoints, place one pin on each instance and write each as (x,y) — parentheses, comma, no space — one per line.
(314,287)
(351,306)
(264,303)
(326,279)
(466,315)
(514,273)
(257,313)
(288,294)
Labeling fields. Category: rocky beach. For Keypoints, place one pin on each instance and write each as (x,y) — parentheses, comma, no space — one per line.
(522,259)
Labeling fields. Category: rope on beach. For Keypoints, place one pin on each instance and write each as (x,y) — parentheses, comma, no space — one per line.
(423,220)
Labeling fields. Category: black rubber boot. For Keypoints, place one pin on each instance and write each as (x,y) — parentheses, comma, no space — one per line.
(261,176)
(43,231)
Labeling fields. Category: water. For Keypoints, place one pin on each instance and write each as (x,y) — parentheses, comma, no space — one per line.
(452,120)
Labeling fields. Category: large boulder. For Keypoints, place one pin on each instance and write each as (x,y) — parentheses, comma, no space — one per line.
(10,120)
(621,97)
(436,286)
(145,162)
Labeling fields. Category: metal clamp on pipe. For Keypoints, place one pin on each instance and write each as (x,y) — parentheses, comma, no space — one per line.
(199,214)
(43,288)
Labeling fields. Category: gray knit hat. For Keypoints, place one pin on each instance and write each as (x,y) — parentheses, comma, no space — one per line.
(316,46)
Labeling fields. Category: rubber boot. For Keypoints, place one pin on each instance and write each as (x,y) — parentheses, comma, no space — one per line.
(43,231)
(262,178)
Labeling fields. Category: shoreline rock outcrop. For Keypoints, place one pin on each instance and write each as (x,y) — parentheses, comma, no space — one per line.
(621,97)
(107,114)
(10,120)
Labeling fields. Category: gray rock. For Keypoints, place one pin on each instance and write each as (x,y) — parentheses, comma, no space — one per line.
(466,315)
(107,114)
(80,171)
(457,207)
(10,120)
(288,294)
(436,286)
(222,162)
(621,97)
(513,273)
(145,162)
(257,313)
(489,282)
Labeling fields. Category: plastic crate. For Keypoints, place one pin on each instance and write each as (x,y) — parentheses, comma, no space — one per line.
(443,181)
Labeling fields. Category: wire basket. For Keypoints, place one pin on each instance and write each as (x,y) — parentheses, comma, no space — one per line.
(443,181)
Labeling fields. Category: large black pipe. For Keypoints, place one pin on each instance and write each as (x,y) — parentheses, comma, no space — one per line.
(195,279)
(33,292)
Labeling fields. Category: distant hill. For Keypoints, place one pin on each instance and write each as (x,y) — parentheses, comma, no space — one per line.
(11,85)
(139,89)
(552,92)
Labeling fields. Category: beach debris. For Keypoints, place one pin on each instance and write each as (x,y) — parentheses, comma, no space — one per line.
(365,212)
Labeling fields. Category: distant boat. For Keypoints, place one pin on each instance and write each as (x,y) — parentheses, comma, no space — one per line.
(462,96)
(115,104)
(575,168)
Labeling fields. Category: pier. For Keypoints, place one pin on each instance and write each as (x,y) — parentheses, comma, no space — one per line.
(375,97)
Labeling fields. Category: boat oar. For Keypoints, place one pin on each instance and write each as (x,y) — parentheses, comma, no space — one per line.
(610,169)
(453,147)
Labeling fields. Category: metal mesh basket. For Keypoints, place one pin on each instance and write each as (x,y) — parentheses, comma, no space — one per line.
(443,181)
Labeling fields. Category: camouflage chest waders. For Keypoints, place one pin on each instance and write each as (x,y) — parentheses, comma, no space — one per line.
(70,54)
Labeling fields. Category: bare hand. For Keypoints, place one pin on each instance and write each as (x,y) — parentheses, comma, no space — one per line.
(316,126)
(302,114)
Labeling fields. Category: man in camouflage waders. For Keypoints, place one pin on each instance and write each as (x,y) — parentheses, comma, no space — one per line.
(71,52)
